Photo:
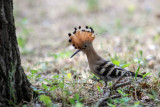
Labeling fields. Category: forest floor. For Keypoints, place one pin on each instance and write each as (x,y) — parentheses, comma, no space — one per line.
(128,33)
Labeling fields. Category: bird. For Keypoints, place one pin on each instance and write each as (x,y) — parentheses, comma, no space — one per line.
(82,40)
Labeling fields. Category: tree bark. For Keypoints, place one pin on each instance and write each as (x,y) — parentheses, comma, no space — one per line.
(14,85)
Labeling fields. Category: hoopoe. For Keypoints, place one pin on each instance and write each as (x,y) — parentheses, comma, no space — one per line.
(82,40)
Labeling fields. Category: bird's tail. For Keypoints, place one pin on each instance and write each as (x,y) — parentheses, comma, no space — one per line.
(129,73)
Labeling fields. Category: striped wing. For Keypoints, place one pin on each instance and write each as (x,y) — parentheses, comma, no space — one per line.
(108,69)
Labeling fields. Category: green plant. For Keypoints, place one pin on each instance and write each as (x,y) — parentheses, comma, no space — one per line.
(120,101)
(24,106)
(122,93)
(79,105)
(153,95)
(46,100)
(33,75)
(116,62)
(125,65)
(75,99)
(146,75)
(140,60)
(22,36)
(22,42)
(137,104)
(99,88)
(137,71)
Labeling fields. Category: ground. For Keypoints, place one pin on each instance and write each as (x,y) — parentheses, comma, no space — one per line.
(128,32)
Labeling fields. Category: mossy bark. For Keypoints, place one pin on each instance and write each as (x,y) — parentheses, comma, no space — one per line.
(14,85)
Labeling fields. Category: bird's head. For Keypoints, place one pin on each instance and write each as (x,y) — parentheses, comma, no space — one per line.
(82,39)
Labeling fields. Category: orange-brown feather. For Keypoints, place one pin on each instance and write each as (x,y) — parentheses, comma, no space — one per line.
(80,37)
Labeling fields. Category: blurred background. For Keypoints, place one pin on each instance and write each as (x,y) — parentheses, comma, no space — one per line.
(128,31)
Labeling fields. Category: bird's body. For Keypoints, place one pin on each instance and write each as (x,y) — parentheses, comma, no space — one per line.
(102,68)
(105,69)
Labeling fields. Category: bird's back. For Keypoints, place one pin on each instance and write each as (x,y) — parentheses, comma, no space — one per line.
(106,70)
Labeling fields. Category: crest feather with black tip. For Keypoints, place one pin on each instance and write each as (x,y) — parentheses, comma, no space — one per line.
(80,36)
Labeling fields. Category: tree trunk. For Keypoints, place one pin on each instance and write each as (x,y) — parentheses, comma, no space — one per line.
(14,85)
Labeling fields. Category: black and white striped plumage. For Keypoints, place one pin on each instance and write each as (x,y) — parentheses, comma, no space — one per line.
(108,71)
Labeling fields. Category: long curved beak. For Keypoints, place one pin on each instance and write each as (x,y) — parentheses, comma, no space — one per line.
(75,53)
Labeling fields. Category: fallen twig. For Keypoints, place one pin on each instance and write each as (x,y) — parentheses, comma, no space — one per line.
(115,96)
(122,84)
(135,92)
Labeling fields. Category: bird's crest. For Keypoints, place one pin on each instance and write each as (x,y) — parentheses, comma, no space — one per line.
(80,36)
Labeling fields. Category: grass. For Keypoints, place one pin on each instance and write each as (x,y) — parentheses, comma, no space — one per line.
(62,87)
(127,35)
